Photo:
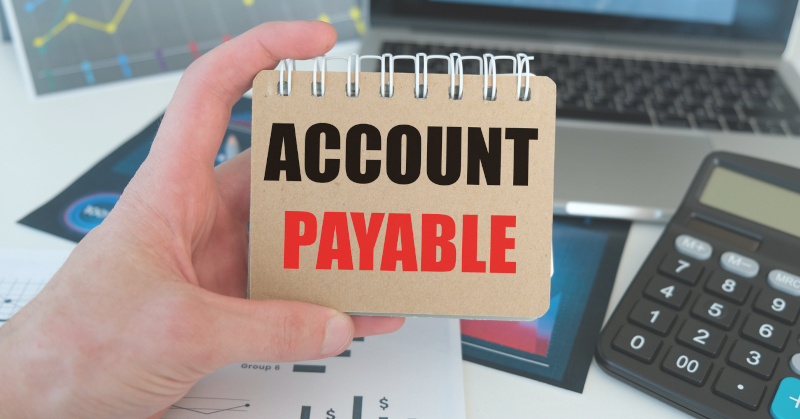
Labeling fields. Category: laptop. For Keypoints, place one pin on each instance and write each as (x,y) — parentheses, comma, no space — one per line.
(646,89)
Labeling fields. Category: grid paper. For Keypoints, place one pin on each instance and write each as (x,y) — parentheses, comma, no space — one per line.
(23,273)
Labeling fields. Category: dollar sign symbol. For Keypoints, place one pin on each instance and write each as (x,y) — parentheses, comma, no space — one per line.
(384,403)
(330,413)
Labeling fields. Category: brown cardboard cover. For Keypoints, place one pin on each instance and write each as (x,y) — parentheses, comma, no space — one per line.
(521,295)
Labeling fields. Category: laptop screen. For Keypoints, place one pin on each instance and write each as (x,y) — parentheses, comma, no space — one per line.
(719,12)
(727,20)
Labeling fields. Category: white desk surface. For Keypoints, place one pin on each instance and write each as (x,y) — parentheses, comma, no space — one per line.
(49,143)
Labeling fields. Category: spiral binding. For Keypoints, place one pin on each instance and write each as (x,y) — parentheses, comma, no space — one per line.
(487,67)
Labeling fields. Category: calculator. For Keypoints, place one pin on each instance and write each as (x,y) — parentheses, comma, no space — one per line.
(709,323)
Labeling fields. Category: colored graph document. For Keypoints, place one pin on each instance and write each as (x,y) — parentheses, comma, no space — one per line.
(557,348)
(413,373)
(23,273)
(67,44)
(85,204)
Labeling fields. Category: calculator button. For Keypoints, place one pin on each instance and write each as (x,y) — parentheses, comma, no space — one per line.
(739,388)
(705,339)
(693,247)
(728,286)
(715,311)
(794,363)
(784,281)
(653,317)
(686,365)
(681,268)
(766,332)
(667,291)
(786,403)
(637,343)
(777,305)
(753,359)
(738,264)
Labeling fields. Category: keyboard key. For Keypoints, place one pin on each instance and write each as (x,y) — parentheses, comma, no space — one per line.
(753,359)
(705,339)
(670,121)
(577,113)
(728,112)
(777,305)
(739,126)
(766,332)
(715,311)
(686,365)
(771,127)
(652,316)
(786,404)
(682,268)
(667,292)
(637,343)
(739,388)
(728,286)
(710,124)
(794,127)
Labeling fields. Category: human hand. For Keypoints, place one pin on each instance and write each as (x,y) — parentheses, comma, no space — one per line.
(151,300)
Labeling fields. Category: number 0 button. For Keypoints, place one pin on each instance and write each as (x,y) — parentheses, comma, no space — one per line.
(637,343)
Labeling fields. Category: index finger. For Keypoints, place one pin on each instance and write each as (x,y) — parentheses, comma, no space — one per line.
(199,112)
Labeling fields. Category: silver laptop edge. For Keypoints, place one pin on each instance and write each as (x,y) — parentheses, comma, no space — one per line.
(785,150)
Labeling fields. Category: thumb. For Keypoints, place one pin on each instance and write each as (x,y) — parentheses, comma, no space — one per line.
(276,331)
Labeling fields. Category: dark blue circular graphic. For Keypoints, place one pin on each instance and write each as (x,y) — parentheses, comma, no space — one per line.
(89,211)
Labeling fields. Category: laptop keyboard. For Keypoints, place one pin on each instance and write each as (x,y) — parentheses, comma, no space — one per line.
(657,93)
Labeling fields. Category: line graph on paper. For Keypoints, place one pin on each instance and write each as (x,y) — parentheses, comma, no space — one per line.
(208,406)
(76,43)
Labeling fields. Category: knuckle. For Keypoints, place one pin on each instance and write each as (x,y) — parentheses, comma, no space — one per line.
(287,335)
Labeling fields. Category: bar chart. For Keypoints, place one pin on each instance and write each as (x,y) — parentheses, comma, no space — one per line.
(357,411)
(415,373)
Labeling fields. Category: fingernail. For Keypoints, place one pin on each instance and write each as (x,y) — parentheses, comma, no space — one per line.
(338,334)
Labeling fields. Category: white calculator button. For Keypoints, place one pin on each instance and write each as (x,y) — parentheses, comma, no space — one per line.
(738,264)
(784,281)
(794,363)
(693,247)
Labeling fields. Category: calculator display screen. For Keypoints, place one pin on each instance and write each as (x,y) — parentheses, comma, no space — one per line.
(753,199)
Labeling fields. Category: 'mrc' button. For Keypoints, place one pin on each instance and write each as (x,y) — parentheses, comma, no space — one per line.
(784,281)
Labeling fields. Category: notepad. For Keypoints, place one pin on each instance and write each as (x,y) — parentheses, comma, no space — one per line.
(404,194)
